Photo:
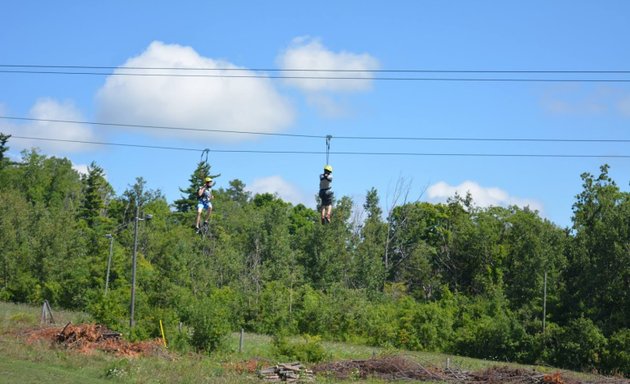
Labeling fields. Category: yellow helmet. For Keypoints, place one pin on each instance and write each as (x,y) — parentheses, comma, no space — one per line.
(208,179)
(328,168)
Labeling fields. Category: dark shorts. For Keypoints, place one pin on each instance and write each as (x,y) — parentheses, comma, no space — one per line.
(326,195)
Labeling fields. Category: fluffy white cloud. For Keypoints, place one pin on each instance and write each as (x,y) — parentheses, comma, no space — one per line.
(624,106)
(278,186)
(50,109)
(482,196)
(307,53)
(194,101)
(576,101)
(81,168)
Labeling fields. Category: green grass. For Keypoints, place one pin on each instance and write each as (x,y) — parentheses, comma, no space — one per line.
(42,361)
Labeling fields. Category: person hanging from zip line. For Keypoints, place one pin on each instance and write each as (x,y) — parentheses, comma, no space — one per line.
(204,195)
(326,193)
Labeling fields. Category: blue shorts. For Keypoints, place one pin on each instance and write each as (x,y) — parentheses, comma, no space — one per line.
(203,204)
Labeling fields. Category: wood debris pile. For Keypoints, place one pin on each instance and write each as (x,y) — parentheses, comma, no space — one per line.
(86,333)
(398,368)
(289,372)
(86,338)
(388,368)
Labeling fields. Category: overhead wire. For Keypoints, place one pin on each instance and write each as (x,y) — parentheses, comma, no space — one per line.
(351,153)
(318,137)
(72,70)
(133,71)
(519,71)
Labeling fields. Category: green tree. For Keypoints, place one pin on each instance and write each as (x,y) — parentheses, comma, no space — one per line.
(578,346)
(4,161)
(237,193)
(188,200)
(96,197)
(534,247)
(370,267)
(599,255)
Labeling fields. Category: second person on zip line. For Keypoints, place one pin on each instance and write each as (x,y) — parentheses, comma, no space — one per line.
(326,193)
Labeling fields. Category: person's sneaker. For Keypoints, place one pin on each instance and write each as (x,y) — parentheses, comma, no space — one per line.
(205,223)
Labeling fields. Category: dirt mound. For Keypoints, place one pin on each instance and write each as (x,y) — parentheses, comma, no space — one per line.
(87,338)
(401,368)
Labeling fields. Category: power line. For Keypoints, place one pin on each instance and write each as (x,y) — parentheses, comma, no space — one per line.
(351,153)
(144,126)
(384,138)
(330,70)
(321,77)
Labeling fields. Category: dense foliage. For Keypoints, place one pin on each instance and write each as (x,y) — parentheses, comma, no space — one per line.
(447,277)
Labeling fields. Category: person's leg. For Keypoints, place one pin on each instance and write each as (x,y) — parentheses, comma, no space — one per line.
(328,212)
(199,210)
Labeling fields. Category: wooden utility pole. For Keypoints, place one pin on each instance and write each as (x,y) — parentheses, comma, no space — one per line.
(544,302)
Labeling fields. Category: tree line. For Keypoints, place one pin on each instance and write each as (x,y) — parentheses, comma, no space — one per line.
(499,282)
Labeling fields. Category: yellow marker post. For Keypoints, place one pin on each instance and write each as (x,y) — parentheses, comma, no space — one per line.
(163,338)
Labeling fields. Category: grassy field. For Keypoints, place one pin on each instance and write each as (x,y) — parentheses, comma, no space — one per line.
(41,361)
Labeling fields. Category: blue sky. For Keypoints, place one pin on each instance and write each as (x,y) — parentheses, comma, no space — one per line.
(256,37)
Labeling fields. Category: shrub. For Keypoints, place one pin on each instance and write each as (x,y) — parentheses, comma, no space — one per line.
(579,345)
(309,351)
(617,357)
(210,324)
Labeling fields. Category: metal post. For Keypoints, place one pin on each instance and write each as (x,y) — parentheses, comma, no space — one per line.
(544,302)
(133,267)
(109,260)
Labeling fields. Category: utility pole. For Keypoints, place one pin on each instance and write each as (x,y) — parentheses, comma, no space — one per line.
(109,260)
(544,302)
(133,266)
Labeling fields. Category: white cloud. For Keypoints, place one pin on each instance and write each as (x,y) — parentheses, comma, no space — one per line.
(482,196)
(50,109)
(327,106)
(624,106)
(579,101)
(224,103)
(81,168)
(308,53)
(278,186)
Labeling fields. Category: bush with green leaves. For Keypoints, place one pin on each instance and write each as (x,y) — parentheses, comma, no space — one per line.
(209,320)
(309,350)
(579,345)
(617,356)
(486,328)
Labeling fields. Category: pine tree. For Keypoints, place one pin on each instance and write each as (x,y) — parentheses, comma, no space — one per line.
(188,201)
(3,148)
(97,194)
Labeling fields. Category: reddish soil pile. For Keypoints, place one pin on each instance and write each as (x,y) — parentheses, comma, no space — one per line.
(86,338)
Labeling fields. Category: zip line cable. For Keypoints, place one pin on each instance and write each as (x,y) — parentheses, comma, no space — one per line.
(255,76)
(159,127)
(133,71)
(337,70)
(402,138)
(320,153)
